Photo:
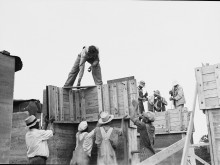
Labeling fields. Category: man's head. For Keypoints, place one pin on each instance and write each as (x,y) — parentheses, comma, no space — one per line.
(148,117)
(32,122)
(157,93)
(175,83)
(92,51)
(141,84)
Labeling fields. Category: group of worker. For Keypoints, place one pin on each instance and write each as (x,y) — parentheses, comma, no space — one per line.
(103,135)
(157,103)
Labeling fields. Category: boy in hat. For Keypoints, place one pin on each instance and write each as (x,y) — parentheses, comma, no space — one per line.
(91,55)
(36,141)
(146,130)
(107,139)
(156,102)
(177,96)
(142,97)
(84,143)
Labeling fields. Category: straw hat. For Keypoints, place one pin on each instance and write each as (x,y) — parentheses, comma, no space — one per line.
(157,92)
(150,115)
(82,125)
(31,121)
(175,83)
(105,118)
(142,83)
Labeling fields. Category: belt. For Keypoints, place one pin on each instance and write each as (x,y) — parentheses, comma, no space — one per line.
(44,157)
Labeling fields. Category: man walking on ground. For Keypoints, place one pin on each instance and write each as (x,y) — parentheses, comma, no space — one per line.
(177,95)
(142,97)
(36,141)
(91,55)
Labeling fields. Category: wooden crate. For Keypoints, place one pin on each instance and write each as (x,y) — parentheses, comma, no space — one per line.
(208,80)
(171,120)
(213,123)
(66,104)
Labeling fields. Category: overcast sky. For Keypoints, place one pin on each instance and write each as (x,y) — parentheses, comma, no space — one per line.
(157,42)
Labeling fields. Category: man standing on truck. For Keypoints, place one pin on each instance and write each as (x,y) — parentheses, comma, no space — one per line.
(142,97)
(177,96)
(91,55)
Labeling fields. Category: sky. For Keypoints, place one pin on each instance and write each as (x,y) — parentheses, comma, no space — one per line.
(155,41)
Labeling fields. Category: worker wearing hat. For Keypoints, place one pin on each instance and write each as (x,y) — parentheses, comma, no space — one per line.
(88,54)
(177,95)
(146,130)
(84,143)
(142,97)
(36,141)
(107,139)
(156,102)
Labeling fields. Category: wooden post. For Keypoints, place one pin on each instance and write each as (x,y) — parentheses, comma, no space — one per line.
(189,131)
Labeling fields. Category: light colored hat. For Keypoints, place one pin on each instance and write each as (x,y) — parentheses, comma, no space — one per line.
(150,115)
(82,125)
(142,83)
(31,121)
(175,83)
(105,118)
(157,92)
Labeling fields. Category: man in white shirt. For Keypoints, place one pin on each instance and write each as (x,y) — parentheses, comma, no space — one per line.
(89,54)
(36,141)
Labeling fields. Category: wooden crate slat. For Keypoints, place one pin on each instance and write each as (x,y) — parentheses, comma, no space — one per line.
(61,114)
(208,77)
(115,99)
(167,118)
(52,102)
(125,95)
(209,85)
(100,103)
(210,93)
(133,94)
(71,105)
(82,105)
(106,101)
(208,69)
(201,98)
(217,76)
(211,102)
(77,101)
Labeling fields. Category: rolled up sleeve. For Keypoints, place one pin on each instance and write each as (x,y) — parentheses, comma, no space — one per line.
(46,134)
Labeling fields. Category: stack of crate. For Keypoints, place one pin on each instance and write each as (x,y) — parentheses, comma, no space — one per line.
(208,85)
(73,105)
(172,120)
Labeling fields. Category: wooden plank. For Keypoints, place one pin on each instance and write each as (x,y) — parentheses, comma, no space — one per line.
(208,77)
(210,93)
(125,96)
(100,102)
(199,79)
(71,105)
(201,160)
(133,94)
(57,103)
(53,104)
(217,78)
(212,137)
(209,85)
(106,102)
(208,69)
(61,115)
(120,80)
(77,101)
(82,105)
(189,131)
(211,103)
(162,155)
(115,99)
(79,87)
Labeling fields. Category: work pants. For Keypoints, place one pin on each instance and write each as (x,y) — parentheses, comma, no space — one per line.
(96,73)
(37,160)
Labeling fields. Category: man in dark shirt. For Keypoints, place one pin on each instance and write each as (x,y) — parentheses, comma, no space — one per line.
(91,55)
(146,130)
(142,97)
